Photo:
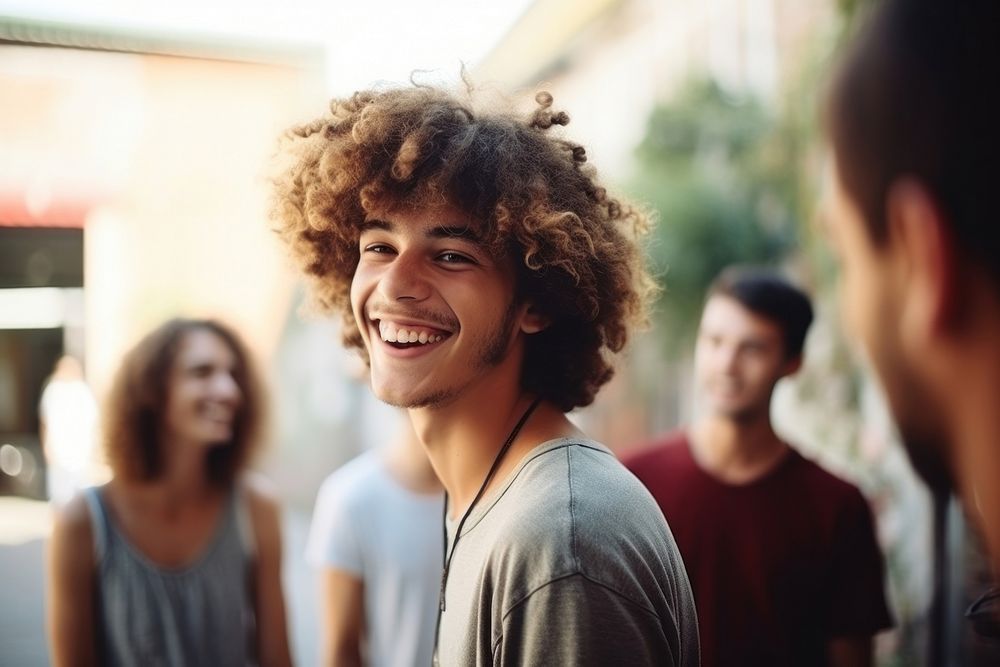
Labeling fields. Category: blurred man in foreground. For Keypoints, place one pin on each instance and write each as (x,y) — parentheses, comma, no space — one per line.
(914,123)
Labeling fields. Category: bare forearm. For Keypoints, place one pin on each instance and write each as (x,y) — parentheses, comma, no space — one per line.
(343,656)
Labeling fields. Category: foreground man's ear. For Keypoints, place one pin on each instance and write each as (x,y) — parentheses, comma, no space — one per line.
(928,274)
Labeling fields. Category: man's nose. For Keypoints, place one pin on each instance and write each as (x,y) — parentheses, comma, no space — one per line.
(405,279)
(728,358)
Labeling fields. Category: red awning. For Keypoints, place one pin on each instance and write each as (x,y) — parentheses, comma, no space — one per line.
(65,213)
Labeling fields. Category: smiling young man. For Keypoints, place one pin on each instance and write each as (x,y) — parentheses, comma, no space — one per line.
(781,554)
(914,123)
(487,277)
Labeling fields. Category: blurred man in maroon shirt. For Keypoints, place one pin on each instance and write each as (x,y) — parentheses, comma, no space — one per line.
(781,554)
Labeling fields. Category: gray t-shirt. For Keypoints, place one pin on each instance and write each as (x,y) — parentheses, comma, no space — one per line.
(570,562)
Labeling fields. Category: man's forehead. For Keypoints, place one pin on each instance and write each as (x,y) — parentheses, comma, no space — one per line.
(444,222)
(725,314)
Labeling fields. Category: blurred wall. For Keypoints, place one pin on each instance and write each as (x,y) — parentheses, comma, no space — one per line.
(166,153)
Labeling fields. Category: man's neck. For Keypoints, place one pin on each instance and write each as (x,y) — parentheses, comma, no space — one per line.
(463,438)
(736,451)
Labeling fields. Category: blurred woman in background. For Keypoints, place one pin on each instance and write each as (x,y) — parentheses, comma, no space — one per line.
(177,560)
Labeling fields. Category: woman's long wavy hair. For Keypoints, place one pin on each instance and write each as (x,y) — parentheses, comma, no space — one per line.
(137,403)
(534,195)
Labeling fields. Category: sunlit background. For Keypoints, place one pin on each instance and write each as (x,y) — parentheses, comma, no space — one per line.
(135,142)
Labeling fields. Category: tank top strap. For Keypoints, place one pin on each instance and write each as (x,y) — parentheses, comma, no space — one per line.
(244,525)
(98,521)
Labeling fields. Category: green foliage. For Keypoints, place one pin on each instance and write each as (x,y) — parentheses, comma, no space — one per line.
(716,169)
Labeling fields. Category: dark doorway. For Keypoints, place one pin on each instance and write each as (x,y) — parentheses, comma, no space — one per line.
(41,257)
(27,357)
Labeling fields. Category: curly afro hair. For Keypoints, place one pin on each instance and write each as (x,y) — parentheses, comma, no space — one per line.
(418,147)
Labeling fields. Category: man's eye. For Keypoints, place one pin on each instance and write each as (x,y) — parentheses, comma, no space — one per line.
(454,258)
(378,248)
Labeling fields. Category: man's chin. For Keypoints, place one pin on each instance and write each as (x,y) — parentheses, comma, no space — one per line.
(411,400)
(736,412)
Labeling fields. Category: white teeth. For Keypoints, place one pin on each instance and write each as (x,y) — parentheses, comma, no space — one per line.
(393,335)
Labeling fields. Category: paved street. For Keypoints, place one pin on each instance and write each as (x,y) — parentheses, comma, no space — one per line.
(24,526)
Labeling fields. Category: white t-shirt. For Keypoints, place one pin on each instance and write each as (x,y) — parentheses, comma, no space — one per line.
(366,524)
(70,414)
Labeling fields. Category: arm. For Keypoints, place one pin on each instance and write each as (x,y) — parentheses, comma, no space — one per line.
(341,617)
(850,652)
(272,630)
(857,603)
(70,593)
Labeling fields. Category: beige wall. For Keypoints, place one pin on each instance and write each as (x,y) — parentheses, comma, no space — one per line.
(170,154)
(609,70)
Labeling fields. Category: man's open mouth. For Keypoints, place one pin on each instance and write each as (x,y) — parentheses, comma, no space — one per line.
(405,336)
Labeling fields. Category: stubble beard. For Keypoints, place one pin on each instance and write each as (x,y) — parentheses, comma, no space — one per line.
(925,446)
(915,416)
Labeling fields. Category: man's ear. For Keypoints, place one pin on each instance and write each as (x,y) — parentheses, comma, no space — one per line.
(792,366)
(924,247)
(533,321)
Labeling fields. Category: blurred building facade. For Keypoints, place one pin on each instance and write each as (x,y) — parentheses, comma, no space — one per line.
(133,189)
(609,61)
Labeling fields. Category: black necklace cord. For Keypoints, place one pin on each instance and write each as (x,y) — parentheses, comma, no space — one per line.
(482,489)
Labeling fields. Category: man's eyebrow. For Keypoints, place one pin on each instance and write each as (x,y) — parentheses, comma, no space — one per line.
(369,225)
(464,232)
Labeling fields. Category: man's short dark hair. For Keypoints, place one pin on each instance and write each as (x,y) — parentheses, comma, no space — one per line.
(766,293)
(538,201)
(918,95)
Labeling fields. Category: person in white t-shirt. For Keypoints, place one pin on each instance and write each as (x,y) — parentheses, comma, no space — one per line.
(68,417)
(376,539)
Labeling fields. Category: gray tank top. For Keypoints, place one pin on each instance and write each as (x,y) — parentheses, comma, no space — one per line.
(200,614)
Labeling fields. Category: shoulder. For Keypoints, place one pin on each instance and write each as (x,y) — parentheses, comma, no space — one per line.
(607,500)
(352,482)
(261,493)
(584,479)
(665,450)
(595,525)
(581,510)
(828,495)
(72,520)
(73,533)
(263,506)
(349,499)
(825,483)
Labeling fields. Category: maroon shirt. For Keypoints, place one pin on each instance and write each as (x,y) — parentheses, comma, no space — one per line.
(778,566)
